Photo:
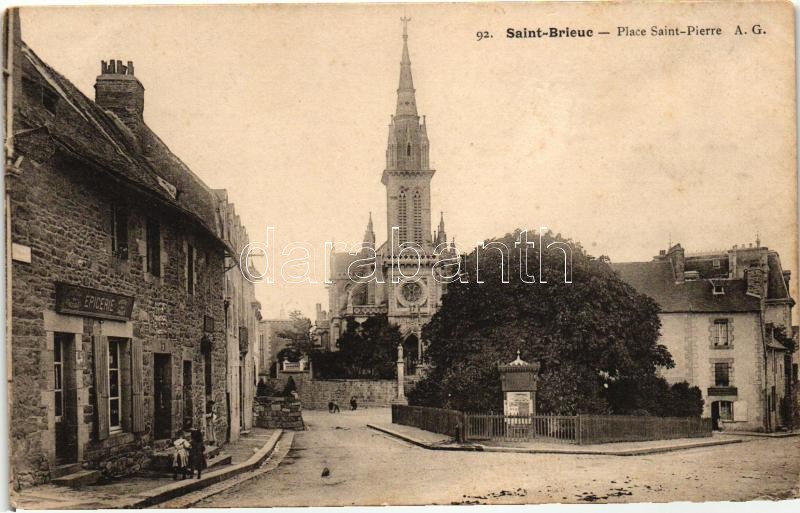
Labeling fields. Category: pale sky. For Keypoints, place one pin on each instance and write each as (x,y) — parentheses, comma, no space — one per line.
(620,143)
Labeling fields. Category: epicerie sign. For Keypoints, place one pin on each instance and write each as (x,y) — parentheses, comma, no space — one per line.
(77,300)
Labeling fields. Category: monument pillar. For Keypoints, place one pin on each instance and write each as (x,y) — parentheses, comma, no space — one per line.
(401,392)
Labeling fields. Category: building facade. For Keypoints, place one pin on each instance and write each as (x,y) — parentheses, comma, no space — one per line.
(396,278)
(116,277)
(723,316)
(242,315)
(272,343)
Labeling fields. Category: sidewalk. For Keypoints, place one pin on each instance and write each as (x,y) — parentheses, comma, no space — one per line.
(436,441)
(147,489)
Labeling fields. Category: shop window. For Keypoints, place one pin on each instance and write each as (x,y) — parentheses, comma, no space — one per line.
(119,236)
(153,247)
(726,410)
(59,351)
(114,386)
(722,374)
(721,333)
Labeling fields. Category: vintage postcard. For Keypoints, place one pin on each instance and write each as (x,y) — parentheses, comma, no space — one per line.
(401,254)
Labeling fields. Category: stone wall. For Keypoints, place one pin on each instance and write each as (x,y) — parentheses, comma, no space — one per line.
(62,209)
(316,393)
(278,413)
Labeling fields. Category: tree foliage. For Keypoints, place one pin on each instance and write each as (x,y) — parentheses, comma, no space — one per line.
(299,336)
(594,330)
(367,350)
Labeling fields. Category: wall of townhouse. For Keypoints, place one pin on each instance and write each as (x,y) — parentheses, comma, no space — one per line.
(62,212)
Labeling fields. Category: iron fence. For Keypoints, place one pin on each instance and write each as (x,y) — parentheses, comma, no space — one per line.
(517,428)
(567,429)
(596,429)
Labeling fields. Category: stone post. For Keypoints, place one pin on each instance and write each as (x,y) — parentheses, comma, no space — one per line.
(401,394)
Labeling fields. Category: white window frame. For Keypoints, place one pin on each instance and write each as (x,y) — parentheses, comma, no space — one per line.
(114,345)
(58,376)
(718,323)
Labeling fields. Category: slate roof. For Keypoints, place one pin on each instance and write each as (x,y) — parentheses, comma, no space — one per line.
(655,279)
(85,130)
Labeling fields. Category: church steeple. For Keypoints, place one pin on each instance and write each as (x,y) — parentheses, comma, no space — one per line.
(406,100)
(408,174)
(441,235)
(369,234)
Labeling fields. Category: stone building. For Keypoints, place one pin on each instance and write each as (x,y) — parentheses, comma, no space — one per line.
(242,314)
(396,278)
(271,344)
(721,317)
(116,276)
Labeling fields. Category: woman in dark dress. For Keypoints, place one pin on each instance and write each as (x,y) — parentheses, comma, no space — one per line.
(197,456)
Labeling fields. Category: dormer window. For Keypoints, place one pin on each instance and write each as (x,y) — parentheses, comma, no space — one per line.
(719,290)
(715,263)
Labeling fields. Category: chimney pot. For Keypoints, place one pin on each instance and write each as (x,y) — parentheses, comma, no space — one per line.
(117,90)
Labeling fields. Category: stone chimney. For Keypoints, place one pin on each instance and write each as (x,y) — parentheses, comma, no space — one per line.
(675,254)
(119,91)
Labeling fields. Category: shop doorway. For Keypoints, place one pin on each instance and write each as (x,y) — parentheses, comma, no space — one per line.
(188,404)
(65,398)
(715,415)
(162,396)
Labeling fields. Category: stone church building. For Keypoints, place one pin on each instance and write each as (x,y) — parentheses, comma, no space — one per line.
(397,277)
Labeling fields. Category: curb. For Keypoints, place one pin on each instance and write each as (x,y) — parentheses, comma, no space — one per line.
(584,452)
(426,445)
(173,490)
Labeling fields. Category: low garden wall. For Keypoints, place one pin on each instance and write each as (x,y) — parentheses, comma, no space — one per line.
(278,413)
(315,394)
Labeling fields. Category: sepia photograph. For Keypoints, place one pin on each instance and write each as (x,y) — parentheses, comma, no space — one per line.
(411,254)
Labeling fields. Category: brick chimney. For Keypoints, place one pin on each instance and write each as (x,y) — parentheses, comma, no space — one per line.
(119,91)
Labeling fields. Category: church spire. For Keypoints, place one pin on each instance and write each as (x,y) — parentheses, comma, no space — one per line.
(441,235)
(406,101)
(369,234)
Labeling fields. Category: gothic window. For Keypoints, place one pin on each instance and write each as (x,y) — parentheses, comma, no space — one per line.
(408,150)
(401,216)
(417,218)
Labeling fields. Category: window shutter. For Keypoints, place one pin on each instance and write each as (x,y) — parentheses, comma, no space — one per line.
(101,384)
(137,399)
(740,411)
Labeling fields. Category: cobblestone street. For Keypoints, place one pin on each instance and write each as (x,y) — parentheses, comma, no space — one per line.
(367,468)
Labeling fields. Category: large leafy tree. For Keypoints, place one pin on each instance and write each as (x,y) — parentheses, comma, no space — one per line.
(367,350)
(298,333)
(586,334)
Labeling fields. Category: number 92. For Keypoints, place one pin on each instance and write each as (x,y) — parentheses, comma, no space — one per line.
(482,34)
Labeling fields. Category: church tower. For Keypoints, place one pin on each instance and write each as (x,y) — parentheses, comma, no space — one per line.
(407,176)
